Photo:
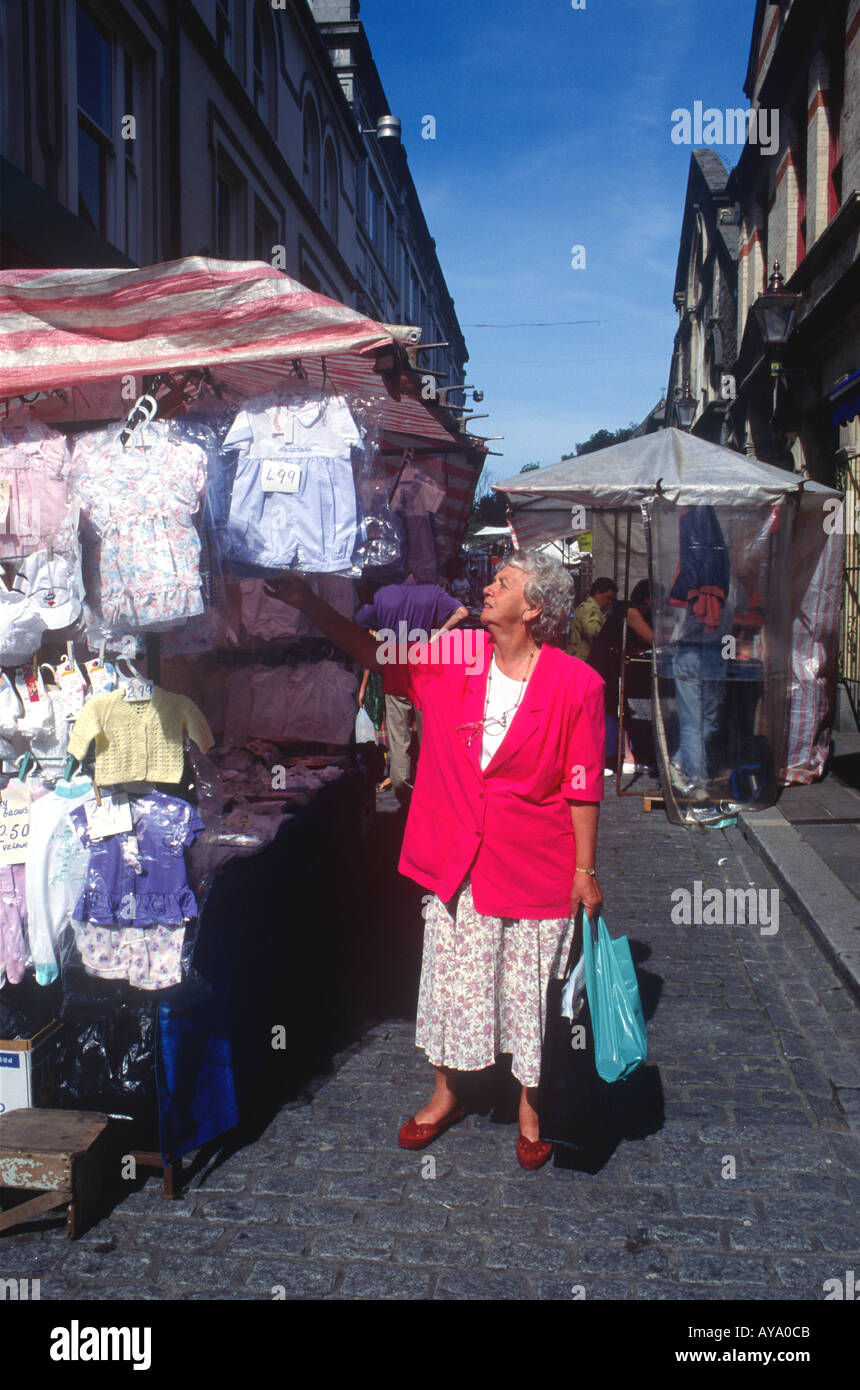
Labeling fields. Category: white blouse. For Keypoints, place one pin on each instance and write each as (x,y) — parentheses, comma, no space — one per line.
(503,695)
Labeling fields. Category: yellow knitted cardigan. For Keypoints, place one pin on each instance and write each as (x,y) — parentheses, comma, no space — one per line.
(138,741)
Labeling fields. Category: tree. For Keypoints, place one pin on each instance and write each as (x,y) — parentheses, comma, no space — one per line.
(529,467)
(488,509)
(601,439)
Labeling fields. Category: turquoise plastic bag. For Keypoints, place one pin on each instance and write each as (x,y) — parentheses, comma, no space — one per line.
(617,1020)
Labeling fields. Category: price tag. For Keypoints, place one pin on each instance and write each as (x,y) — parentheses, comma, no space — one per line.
(14,823)
(102,677)
(280,477)
(73,688)
(5,494)
(113,817)
(138,691)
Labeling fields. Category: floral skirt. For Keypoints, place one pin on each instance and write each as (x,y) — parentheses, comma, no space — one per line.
(483,986)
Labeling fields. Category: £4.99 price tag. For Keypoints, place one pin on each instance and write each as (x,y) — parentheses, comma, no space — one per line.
(14,824)
(280,477)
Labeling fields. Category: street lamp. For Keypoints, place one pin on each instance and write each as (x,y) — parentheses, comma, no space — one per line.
(775,311)
(386,128)
(684,407)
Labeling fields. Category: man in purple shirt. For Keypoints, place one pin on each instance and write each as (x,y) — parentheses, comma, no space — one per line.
(422,609)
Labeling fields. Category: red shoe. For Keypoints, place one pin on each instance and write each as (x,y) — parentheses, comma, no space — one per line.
(415,1136)
(533,1153)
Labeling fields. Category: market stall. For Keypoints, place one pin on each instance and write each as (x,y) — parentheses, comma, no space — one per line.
(744,572)
(178,767)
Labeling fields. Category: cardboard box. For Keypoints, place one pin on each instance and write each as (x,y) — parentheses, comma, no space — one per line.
(27,1069)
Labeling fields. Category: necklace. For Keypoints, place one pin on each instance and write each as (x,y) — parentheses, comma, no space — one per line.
(493,722)
(496,721)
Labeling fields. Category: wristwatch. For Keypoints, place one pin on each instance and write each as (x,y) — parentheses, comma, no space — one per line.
(591,872)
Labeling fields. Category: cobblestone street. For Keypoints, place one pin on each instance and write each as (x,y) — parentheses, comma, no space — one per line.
(755,1040)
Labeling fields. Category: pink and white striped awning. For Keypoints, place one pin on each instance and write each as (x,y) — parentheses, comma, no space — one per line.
(66,327)
(82,331)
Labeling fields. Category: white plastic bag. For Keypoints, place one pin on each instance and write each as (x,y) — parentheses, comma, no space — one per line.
(364,730)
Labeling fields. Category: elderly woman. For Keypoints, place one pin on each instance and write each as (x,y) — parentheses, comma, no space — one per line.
(502,826)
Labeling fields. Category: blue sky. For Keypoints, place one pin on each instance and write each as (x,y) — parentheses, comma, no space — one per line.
(553,130)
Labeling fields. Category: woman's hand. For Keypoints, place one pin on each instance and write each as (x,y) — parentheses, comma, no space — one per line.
(289,588)
(586,894)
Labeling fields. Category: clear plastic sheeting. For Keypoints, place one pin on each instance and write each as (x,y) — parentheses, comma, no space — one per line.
(816,599)
(308,703)
(722,643)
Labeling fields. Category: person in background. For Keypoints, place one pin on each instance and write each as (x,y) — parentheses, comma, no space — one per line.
(423,608)
(640,753)
(590,616)
(700,591)
(460,587)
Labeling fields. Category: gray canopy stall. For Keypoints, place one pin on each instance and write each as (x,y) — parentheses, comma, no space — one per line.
(744,565)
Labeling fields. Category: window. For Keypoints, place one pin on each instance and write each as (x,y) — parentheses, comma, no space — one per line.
(330,189)
(797,148)
(265,232)
(132,208)
(95,109)
(263,77)
(223,218)
(391,255)
(836,61)
(224,28)
(259,67)
(311,153)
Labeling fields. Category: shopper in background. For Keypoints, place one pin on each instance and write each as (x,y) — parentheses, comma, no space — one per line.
(423,608)
(460,587)
(590,616)
(502,827)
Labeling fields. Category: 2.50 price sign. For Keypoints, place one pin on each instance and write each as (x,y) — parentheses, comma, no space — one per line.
(14,831)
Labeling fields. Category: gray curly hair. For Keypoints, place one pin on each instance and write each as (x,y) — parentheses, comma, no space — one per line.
(548,586)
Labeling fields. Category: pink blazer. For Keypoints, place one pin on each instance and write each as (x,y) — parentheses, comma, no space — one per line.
(508,826)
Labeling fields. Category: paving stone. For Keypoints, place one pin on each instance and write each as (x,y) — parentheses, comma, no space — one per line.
(385,1281)
(452,1193)
(322,1212)
(587,1290)
(403,1220)
(288,1182)
(298,1278)
(636,1264)
(118,1266)
(720,1268)
(328,1159)
(359,1186)
(207,1271)
(363,1244)
(808,1276)
(157,1235)
(481,1286)
(266,1240)
(501,1225)
(221,1180)
(810,1209)
(528,1254)
(248,1207)
(774,1239)
(447,1251)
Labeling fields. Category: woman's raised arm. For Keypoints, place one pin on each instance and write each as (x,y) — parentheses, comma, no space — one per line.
(356,641)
